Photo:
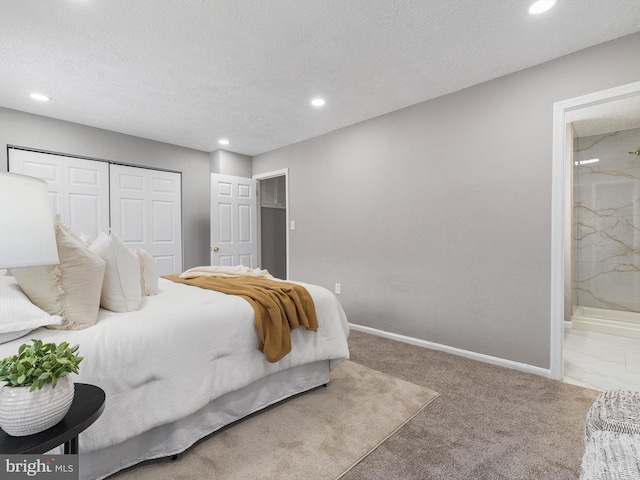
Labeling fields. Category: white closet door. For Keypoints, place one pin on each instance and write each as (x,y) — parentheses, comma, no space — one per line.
(79,188)
(146,213)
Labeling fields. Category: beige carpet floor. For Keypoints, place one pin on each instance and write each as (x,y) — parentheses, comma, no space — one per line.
(489,423)
(318,435)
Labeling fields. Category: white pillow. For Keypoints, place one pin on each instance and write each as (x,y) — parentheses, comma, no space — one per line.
(148,273)
(121,287)
(71,289)
(86,239)
(18,316)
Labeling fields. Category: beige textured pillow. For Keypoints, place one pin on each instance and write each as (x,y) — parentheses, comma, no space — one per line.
(121,287)
(71,289)
(148,273)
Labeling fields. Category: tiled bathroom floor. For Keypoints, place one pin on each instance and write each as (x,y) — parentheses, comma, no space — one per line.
(602,362)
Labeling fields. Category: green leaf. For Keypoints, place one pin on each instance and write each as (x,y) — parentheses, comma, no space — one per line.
(39,363)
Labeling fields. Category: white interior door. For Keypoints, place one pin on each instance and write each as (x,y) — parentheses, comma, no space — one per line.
(78,188)
(233,221)
(146,213)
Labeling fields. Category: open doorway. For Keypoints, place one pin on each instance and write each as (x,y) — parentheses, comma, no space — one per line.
(273,222)
(594,239)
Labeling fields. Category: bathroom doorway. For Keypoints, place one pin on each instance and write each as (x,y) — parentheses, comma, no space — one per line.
(596,329)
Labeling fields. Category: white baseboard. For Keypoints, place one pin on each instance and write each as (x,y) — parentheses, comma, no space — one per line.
(480,357)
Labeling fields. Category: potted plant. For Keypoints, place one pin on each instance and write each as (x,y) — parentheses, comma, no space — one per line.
(38,392)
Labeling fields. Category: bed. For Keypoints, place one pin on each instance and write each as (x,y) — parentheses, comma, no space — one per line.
(183,366)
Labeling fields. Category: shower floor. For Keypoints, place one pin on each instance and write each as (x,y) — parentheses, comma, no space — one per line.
(600,361)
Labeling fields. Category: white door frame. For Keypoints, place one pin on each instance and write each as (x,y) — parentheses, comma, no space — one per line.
(264,176)
(561,209)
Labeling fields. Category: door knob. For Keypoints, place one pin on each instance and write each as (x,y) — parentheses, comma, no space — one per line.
(215,249)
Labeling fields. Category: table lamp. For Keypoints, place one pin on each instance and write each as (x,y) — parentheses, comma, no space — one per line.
(27,236)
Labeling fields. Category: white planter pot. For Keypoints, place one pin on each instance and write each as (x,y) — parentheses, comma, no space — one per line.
(24,413)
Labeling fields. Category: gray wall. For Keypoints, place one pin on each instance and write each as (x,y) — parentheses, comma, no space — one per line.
(436,218)
(273,241)
(42,133)
(230,163)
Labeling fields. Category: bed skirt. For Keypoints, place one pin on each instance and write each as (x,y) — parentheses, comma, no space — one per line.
(176,437)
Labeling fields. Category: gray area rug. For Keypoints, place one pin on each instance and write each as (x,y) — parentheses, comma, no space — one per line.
(489,422)
(318,435)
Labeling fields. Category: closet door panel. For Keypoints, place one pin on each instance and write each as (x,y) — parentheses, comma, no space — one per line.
(84,215)
(47,167)
(132,221)
(86,196)
(146,213)
(165,219)
(128,205)
(78,188)
(163,226)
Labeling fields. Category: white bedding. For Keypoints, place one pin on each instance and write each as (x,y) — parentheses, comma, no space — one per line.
(185,347)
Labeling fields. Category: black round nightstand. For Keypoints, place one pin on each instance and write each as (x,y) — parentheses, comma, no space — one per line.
(87,406)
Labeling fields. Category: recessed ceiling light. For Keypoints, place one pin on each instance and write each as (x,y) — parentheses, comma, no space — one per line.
(39,96)
(541,6)
(317,102)
(223,141)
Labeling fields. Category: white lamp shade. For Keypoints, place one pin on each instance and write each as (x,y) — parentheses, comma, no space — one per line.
(27,236)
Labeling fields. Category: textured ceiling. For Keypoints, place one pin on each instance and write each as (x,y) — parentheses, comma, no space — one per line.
(191,71)
(623,114)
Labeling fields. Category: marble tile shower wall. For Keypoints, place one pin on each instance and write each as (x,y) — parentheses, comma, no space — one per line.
(606,221)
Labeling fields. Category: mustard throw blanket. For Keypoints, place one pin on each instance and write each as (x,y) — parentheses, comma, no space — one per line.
(279,307)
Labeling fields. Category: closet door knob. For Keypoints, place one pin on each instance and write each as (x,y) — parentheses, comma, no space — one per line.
(215,249)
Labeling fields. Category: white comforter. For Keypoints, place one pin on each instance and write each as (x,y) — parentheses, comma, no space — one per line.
(183,348)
